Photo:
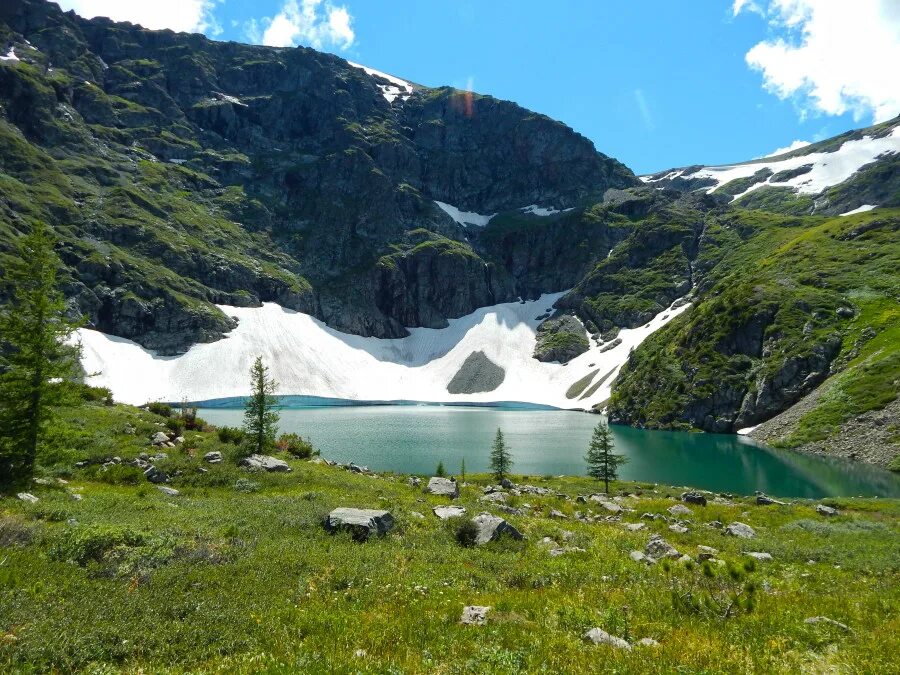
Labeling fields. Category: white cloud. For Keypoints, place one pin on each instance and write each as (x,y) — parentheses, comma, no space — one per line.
(796,145)
(192,16)
(831,56)
(312,22)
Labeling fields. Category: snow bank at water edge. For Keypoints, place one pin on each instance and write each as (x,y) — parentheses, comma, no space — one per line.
(308,357)
(825,168)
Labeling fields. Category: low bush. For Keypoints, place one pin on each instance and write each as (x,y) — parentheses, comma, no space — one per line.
(159,408)
(294,445)
(232,435)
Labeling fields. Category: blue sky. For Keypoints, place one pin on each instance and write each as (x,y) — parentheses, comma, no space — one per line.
(655,83)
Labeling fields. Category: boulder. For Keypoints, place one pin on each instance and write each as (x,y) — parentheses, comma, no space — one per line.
(559,515)
(758,555)
(28,498)
(490,528)
(706,552)
(634,527)
(445,487)
(658,548)
(680,510)
(494,497)
(264,463)
(361,523)
(413,481)
(447,512)
(638,556)
(741,530)
(600,637)
(677,528)
(601,500)
(155,475)
(765,500)
(823,510)
(159,438)
(167,491)
(474,615)
(214,457)
(693,497)
(507,484)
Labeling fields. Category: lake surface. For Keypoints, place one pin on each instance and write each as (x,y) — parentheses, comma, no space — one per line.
(413,439)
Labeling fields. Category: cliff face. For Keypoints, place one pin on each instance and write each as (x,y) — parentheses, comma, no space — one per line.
(186,172)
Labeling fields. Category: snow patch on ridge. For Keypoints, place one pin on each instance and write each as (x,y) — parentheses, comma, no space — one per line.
(860,209)
(828,168)
(464,218)
(308,357)
(10,55)
(398,87)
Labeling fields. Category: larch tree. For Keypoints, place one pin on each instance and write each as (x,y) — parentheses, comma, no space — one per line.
(501,459)
(36,351)
(602,461)
(260,416)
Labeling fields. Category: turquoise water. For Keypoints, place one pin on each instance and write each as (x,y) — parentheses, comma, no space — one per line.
(413,439)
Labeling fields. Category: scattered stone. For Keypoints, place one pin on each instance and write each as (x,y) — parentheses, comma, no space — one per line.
(155,475)
(581,499)
(658,548)
(638,556)
(679,510)
(167,491)
(765,500)
(214,457)
(600,637)
(75,496)
(447,512)
(445,487)
(693,497)
(264,463)
(562,550)
(650,516)
(28,498)
(474,615)
(741,530)
(685,559)
(706,552)
(716,524)
(823,510)
(678,528)
(179,440)
(559,515)
(602,500)
(361,523)
(634,527)
(158,456)
(825,620)
(159,438)
(414,481)
(647,642)
(417,515)
(507,484)
(494,497)
(360,653)
(491,528)
(757,555)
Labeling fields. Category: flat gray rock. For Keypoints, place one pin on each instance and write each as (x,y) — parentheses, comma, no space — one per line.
(491,528)
(600,637)
(658,548)
(443,487)
(27,497)
(823,510)
(448,512)
(361,523)
(693,497)
(159,438)
(264,463)
(214,457)
(167,491)
(740,530)
(759,555)
(826,621)
(474,615)
(680,510)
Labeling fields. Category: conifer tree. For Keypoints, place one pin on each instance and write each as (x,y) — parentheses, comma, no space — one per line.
(440,471)
(260,416)
(603,463)
(462,470)
(501,459)
(35,350)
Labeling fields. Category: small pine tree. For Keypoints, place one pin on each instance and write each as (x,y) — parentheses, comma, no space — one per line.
(34,350)
(440,471)
(260,416)
(501,459)
(462,470)
(603,463)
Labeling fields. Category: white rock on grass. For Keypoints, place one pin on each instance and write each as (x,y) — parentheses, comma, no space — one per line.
(444,487)
(490,528)
(167,491)
(740,530)
(680,510)
(447,512)
(474,615)
(361,523)
(647,642)
(826,621)
(823,510)
(706,552)
(658,548)
(213,457)
(600,637)
(759,555)
(27,497)
(677,528)
(264,463)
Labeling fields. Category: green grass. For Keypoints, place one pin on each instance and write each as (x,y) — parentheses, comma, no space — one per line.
(234,577)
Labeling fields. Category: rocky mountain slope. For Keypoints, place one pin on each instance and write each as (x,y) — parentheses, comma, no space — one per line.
(191,181)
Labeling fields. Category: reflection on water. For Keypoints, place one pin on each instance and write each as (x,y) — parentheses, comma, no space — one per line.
(414,439)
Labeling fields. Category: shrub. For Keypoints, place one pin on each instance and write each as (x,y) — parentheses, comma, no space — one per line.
(232,435)
(176,425)
(246,485)
(466,533)
(119,474)
(159,408)
(14,533)
(440,470)
(91,544)
(294,445)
